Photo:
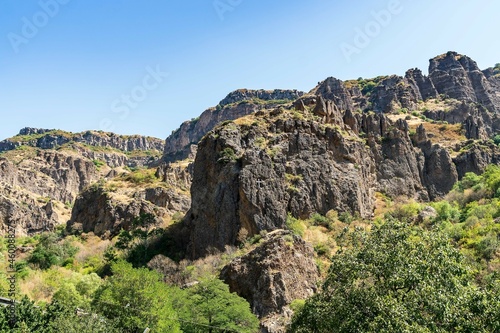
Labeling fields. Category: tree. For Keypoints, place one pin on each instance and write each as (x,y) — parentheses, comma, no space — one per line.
(50,251)
(135,299)
(83,323)
(399,278)
(211,307)
(29,317)
(52,318)
(69,297)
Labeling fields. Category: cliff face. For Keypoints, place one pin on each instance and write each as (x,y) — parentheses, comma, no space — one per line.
(250,174)
(107,207)
(50,174)
(459,77)
(237,104)
(116,150)
(51,139)
(43,171)
(37,187)
(451,75)
(24,212)
(319,153)
(106,212)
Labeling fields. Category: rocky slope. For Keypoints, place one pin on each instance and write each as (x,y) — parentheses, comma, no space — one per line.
(43,171)
(36,184)
(26,213)
(321,153)
(107,207)
(115,150)
(237,104)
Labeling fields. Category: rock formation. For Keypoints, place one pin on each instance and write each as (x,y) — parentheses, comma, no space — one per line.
(252,176)
(459,77)
(55,175)
(111,205)
(43,171)
(281,269)
(323,155)
(114,149)
(237,104)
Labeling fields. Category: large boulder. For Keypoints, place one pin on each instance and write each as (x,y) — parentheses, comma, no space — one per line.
(279,270)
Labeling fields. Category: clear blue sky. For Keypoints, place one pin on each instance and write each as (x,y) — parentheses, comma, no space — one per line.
(72,66)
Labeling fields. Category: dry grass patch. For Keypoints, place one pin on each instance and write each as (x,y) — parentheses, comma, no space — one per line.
(444,134)
(40,286)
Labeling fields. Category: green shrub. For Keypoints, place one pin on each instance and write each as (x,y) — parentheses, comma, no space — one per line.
(407,211)
(488,246)
(227,155)
(52,251)
(346,217)
(293,179)
(321,249)
(446,211)
(469,180)
(492,178)
(22,270)
(295,225)
(99,163)
(320,220)
(141,176)
(255,239)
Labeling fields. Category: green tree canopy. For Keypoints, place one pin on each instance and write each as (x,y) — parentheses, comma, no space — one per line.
(29,317)
(211,307)
(399,278)
(51,251)
(135,299)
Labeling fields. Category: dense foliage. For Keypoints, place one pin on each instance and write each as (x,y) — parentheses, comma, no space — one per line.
(399,278)
(135,299)
(131,300)
(210,305)
(50,250)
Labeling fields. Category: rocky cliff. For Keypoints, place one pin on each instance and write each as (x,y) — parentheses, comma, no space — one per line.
(37,187)
(251,173)
(43,171)
(107,207)
(115,150)
(320,153)
(55,175)
(451,76)
(106,211)
(237,104)
(26,213)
